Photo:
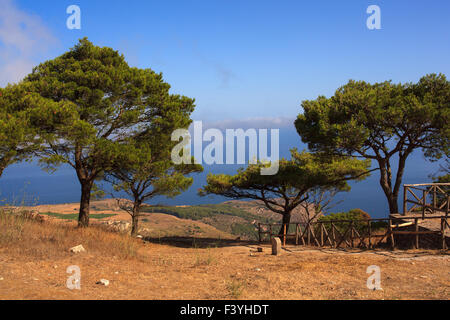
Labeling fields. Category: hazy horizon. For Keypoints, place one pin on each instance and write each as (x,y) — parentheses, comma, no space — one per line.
(27,180)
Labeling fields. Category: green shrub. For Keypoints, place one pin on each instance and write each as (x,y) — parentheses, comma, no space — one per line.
(357,216)
(74,216)
(200,211)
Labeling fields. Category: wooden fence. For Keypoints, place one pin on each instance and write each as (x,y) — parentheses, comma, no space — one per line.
(428,198)
(365,234)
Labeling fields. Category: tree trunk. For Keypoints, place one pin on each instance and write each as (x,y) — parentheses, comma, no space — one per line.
(286,221)
(386,185)
(135,218)
(83,217)
(393,203)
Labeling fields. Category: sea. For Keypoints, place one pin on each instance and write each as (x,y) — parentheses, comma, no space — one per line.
(28,184)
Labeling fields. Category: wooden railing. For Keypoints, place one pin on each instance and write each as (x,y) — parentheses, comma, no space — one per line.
(426,198)
(365,234)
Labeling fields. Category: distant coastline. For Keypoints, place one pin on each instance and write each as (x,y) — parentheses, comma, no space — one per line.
(62,187)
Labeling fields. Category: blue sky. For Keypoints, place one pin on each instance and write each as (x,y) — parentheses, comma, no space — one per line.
(247,63)
(255,59)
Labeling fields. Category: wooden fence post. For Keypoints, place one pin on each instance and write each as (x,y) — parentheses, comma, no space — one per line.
(333,235)
(434,198)
(405,196)
(308,226)
(321,234)
(425,195)
(259,232)
(352,234)
(416,228)
(391,234)
(448,206)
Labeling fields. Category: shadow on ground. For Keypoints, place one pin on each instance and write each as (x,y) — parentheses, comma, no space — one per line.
(192,242)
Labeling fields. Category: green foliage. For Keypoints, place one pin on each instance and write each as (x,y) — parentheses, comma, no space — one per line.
(74,216)
(200,211)
(353,215)
(108,106)
(443,179)
(361,116)
(244,229)
(295,178)
(146,170)
(97,193)
(25,118)
(357,216)
(378,121)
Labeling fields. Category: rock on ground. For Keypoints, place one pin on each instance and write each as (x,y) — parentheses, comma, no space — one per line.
(103,282)
(77,249)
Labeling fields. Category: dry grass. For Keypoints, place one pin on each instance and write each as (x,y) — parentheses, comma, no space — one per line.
(236,288)
(203,259)
(51,241)
(34,258)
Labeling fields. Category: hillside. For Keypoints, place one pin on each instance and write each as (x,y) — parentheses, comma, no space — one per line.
(239,218)
(230,219)
(154,225)
(34,258)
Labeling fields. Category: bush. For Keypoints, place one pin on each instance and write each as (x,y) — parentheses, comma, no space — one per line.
(353,215)
(357,216)
(199,212)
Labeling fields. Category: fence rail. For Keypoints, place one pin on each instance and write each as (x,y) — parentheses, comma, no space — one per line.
(367,234)
(426,198)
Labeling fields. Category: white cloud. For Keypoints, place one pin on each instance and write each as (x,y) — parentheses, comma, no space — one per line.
(256,123)
(24,40)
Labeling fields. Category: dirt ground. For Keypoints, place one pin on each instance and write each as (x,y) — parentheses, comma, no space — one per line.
(231,272)
(34,257)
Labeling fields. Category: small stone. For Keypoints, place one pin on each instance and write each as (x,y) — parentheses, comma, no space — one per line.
(139,236)
(276,246)
(77,249)
(103,282)
(117,272)
(258,270)
(1,279)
